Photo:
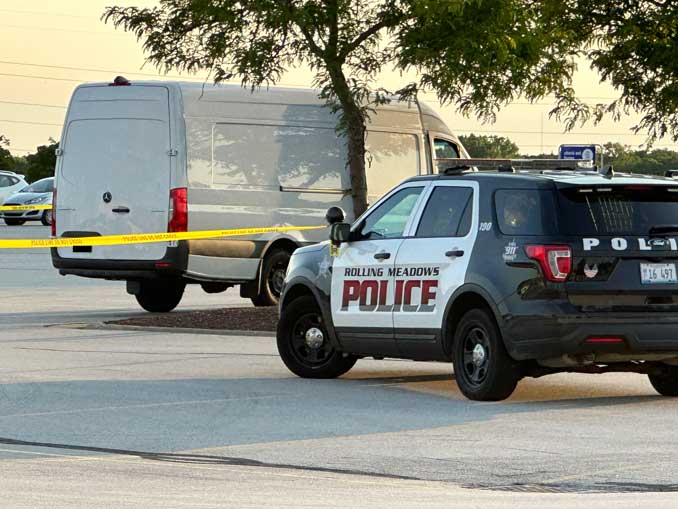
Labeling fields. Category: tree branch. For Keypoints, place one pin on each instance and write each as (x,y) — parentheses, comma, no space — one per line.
(294,14)
(351,46)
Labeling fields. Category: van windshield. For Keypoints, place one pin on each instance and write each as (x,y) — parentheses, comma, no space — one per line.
(617,210)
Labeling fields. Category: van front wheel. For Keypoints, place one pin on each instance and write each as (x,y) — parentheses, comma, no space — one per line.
(160,296)
(272,278)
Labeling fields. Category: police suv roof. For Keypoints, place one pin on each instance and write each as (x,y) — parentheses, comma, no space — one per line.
(548,178)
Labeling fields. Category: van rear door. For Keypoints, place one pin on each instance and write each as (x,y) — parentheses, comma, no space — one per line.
(114,174)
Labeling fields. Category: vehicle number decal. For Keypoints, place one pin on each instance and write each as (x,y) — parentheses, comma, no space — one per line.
(485,227)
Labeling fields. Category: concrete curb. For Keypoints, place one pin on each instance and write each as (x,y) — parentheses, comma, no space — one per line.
(180,330)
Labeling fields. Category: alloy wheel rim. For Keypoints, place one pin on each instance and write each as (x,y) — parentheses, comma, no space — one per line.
(476,355)
(309,341)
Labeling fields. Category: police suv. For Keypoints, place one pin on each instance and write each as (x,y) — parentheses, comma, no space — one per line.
(505,273)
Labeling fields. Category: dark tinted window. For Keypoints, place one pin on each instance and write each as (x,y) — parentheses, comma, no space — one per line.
(617,210)
(444,212)
(389,219)
(525,211)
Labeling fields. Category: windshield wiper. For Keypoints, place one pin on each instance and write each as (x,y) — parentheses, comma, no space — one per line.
(664,229)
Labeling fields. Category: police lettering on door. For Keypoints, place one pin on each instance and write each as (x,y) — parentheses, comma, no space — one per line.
(414,289)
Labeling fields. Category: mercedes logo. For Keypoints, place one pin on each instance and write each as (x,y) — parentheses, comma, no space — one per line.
(107,197)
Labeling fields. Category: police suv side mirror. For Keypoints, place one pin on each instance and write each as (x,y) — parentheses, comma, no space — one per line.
(339,233)
(334,215)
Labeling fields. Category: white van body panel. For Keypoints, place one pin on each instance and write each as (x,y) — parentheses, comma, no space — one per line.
(266,158)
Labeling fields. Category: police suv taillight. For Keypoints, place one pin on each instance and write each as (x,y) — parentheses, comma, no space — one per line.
(555,261)
(178,213)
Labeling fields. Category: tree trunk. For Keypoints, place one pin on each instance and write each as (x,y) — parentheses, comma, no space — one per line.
(354,126)
(355,131)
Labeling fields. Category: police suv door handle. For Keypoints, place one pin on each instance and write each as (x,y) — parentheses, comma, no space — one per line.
(382,256)
(121,210)
(454,253)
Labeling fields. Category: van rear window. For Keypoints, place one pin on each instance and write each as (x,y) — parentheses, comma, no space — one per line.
(617,210)
(525,211)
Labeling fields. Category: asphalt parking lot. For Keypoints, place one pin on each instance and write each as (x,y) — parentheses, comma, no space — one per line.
(117,418)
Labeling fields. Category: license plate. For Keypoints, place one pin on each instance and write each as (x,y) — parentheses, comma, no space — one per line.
(652,273)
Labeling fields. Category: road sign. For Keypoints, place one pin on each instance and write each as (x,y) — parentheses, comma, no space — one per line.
(579,152)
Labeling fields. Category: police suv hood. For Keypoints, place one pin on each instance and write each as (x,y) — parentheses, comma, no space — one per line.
(312,248)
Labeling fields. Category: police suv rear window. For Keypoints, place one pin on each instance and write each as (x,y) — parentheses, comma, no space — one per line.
(613,210)
(525,211)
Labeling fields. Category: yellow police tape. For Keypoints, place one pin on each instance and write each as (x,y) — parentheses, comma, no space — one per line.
(25,207)
(144,238)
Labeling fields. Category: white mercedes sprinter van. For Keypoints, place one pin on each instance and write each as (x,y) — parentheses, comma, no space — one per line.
(148,157)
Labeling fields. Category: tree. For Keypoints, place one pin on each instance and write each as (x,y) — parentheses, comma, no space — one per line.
(478,145)
(477,54)
(41,164)
(6,159)
(633,45)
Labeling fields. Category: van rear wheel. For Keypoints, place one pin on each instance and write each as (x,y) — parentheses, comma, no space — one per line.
(272,278)
(160,296)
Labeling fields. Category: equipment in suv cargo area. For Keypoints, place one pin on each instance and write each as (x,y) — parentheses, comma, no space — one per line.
(528,269)
(155,157)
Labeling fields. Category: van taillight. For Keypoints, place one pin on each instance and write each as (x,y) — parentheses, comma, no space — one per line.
(555,261)
(54,212)
(178,216)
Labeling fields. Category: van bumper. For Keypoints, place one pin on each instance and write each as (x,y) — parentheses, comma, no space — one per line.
(174,263)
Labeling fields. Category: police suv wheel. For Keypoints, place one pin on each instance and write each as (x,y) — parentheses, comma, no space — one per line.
(666,383)
(482,367)
(273,272)
(304,345)
(160,296)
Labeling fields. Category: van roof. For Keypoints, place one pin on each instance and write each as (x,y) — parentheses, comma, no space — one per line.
(209,92)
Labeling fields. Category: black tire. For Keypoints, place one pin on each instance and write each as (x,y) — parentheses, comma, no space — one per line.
(296,320)
(273,271)
(160,296)
(482,367)
(46,218)
(14,222)
(666,383)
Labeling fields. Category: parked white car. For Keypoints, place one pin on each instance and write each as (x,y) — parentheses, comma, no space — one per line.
(10,183)
(38,193)
(149,157)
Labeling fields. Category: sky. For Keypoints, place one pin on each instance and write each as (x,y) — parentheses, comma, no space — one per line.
(48,47)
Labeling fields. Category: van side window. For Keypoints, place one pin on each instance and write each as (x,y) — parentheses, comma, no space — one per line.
(5,181)
(445,149)
(389,219)
(447,213)
(390,159)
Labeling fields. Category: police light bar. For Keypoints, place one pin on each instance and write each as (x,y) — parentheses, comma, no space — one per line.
(512,165)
